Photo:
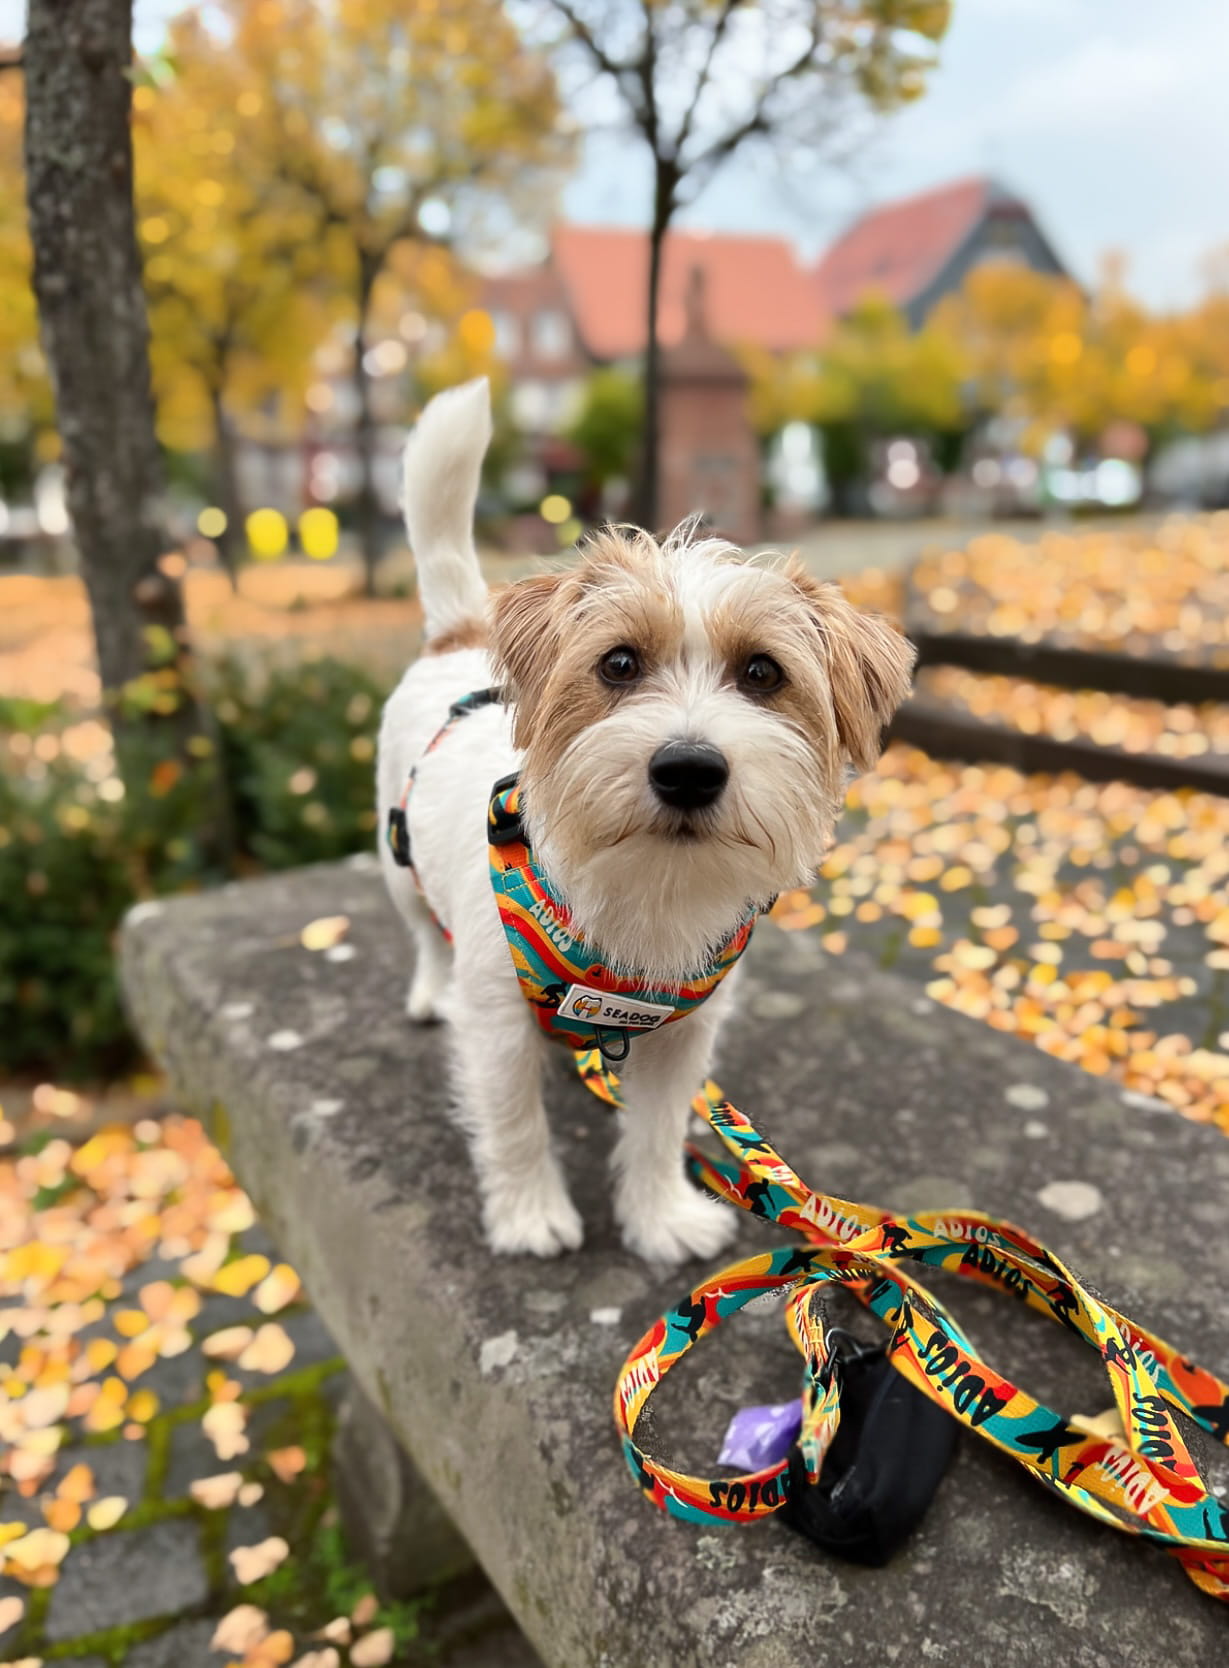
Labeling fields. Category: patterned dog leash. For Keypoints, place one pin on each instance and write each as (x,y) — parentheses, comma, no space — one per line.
(1140,1479)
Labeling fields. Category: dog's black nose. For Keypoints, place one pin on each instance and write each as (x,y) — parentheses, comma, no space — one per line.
(687,775)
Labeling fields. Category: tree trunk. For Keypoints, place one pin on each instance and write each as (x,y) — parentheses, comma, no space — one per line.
(366,504)
(648,486)
(226,487)
(87,278)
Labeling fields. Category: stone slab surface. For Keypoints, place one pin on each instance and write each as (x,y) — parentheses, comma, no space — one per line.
(497,1375)
(96,1589)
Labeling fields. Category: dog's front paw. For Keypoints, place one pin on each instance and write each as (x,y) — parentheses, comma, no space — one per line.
(685,1224)
(533,1217)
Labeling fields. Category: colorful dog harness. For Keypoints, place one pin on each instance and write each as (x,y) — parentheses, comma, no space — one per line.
(576,997)
(1137,1476)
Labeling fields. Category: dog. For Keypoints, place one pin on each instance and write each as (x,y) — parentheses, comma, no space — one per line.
(684,723)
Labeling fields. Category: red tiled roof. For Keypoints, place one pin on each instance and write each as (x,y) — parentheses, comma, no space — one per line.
(756,290)
(899,248)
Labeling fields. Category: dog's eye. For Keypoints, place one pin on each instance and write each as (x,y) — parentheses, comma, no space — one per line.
(621,665)
(761,675)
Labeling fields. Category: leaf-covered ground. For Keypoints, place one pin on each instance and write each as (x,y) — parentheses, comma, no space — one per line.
(168,1402)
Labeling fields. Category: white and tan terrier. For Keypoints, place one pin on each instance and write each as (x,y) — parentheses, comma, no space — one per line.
(684,723)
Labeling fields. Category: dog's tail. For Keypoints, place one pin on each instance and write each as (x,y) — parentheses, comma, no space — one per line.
(443,460)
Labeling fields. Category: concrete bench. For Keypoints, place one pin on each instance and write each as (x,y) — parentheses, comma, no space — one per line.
(496,1376)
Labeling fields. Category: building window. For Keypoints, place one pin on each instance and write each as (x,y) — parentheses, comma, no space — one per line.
(550,334)
(507,334)
(531,406)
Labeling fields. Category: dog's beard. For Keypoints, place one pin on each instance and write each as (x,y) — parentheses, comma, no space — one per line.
(659,890)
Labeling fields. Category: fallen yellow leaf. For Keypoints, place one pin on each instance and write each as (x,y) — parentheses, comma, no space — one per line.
(237,1278)
(106,1513)
(39,1548)
(142,1405)
(325,932)
(12,1609)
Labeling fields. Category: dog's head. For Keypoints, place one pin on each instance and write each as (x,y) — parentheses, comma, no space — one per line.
(689,722)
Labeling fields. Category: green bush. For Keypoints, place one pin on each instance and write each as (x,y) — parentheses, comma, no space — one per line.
(297,747)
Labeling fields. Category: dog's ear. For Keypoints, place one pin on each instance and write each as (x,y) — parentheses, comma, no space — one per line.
(524,644)
(869,666)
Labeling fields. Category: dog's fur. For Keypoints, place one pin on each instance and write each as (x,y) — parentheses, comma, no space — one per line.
(656,889)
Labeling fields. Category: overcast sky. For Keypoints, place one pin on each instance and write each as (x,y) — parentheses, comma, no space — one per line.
(1110,116)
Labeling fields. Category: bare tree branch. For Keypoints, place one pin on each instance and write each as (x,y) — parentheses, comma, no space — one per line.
(758,121)
(714,42)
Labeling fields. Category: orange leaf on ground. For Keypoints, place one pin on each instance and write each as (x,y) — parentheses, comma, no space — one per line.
(365,1610)
(286,1463)
(136,1358)
(272,1652)
(77,1484)
(64,1515)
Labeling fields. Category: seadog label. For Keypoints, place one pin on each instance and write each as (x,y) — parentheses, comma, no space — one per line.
(599,1008)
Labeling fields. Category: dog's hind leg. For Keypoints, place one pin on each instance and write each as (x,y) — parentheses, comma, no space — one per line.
(432,965)
(432,953)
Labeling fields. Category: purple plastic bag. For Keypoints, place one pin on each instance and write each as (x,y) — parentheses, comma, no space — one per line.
(759,1436)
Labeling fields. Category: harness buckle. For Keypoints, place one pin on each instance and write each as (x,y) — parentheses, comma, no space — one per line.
(399,837)
(503,826)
